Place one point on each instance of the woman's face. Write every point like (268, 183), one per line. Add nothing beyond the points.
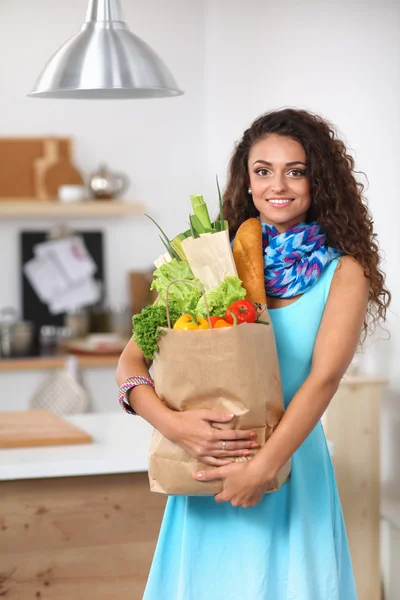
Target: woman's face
(278, 181)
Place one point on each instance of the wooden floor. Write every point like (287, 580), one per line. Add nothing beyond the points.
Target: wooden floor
(77, 538)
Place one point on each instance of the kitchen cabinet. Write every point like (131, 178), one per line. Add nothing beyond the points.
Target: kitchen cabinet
(78, 537)
(79, 521)
(352, 425)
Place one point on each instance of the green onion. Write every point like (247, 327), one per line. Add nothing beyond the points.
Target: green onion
(165, 241)
(221, 211)
(176, 244)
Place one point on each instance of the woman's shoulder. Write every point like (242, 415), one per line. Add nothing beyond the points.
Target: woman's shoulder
(342, 273)
(349, 279)
(348, 268)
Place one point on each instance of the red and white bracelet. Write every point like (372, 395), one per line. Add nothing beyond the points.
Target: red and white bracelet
(127, 386)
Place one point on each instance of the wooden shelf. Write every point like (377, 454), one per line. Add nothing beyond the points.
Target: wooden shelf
(55, 362)
(90, 208)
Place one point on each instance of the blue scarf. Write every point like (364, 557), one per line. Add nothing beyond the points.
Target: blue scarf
(295, 259)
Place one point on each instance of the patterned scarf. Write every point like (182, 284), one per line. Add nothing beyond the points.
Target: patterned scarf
(295, 259)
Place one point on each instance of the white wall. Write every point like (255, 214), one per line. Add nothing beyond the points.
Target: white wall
(158, 143)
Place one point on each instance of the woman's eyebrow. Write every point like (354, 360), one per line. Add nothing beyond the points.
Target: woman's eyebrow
(289, 164)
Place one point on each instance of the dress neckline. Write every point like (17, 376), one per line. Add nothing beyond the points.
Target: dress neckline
(291, 304)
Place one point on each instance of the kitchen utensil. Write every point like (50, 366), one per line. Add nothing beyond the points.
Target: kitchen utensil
(62, 172)
(98, 343)
(72, 193)
(22, 337)
(16, 337)
(104, 184)
(26, 428)
(42, 164)
(17, 159)
(78, 322)
(61, 392)
(8, 317)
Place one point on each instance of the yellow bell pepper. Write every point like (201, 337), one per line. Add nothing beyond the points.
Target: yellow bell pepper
(191, 322)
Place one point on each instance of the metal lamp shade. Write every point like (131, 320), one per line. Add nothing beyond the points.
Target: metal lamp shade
(104, 61)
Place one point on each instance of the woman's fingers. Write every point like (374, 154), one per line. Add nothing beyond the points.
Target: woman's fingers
(215, 462)
(232, 453)
(226, 446)
(233, 434)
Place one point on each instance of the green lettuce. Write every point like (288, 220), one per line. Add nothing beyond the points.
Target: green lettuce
(146, 325)
(185, 295)
(221, 297)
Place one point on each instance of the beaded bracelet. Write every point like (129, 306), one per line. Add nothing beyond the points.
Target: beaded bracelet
(127, 386)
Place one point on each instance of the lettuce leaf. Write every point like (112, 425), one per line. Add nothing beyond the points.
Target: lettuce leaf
(221, 297)
(185, 295)
(146, 325)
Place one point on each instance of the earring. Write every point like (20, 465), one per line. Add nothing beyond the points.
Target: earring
(249, 191)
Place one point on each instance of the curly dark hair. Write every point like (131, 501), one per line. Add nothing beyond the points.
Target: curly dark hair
(337, 202)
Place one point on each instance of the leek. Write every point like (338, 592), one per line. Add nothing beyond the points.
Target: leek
(201, 213)
(197, 224)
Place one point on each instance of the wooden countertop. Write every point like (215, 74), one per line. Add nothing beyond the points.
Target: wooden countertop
(37, 363)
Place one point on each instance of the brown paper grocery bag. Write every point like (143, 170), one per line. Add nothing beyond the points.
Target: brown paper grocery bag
(233, 369)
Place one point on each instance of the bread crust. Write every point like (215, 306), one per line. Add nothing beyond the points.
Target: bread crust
(249, 260)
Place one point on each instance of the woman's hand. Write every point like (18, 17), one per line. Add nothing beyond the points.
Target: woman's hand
(244, 483)
(193, 431)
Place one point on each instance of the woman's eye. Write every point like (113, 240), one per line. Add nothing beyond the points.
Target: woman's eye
(297, 172)
(262, 172)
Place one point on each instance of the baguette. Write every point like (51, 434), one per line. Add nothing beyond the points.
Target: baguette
(248, 255)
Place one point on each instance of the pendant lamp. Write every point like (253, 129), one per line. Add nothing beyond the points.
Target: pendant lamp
(105, 61)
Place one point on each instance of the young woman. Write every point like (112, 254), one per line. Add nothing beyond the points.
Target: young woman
(324, 289)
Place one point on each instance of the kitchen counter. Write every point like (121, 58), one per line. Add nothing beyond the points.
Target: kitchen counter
(120, 445)
(79, 521)
(39, 363)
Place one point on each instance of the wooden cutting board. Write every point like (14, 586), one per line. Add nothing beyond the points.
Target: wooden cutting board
(17, 158)
(53, 170)
(62, 172)
(25, 428)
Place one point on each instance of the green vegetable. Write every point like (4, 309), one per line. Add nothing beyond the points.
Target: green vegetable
(201, 213)
(146, 325)
(221, 297)
(176, 244)
(165, 240)
(220, 225)
(184, 294)
(196, 224)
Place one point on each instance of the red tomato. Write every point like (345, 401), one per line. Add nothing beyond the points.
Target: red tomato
(244, 311)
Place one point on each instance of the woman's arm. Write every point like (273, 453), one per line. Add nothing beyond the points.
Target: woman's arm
(334, 349)
(142, 398)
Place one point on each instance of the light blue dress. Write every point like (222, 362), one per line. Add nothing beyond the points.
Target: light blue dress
(293, 544)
